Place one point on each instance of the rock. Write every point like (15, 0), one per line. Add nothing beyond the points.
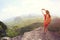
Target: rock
(38, 34)
(5, 38)
(32, 35)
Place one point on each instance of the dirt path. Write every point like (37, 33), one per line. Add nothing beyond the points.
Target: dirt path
(38, 34)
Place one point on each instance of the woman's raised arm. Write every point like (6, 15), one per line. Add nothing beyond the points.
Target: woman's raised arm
(43, 11)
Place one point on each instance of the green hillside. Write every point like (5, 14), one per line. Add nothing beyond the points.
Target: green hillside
(23, 24)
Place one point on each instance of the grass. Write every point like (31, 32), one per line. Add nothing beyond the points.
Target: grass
(25, 25)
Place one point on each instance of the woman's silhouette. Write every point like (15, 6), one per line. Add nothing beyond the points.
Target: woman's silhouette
(47, 19)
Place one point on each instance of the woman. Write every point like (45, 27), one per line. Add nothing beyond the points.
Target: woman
(47, 19)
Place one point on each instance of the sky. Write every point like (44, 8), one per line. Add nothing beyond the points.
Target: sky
(13, 8)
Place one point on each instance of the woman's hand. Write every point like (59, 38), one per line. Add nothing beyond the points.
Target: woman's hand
(43, 11)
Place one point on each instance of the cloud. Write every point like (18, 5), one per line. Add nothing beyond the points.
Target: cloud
(24, 7)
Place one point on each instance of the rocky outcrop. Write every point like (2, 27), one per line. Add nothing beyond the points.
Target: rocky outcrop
(32, 35)
(38, 34)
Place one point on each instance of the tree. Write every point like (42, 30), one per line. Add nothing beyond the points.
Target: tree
(3, 28)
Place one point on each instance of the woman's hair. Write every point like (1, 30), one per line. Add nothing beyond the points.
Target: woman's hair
(47, 12)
